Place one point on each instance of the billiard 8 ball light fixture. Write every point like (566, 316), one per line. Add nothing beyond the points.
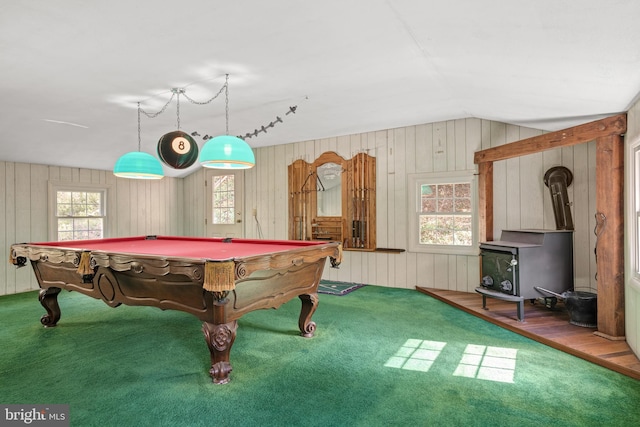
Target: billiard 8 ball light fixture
(179, 150)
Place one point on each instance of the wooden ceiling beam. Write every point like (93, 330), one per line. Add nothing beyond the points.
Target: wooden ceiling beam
(614, 125)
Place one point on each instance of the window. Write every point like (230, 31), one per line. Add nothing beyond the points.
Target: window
(443, 213)
(636, 206)
(223, 200)
(77, 212)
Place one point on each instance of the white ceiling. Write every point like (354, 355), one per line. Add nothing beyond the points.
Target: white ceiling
(349, 66)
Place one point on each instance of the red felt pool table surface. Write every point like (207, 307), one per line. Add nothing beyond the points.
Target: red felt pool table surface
(185, 247)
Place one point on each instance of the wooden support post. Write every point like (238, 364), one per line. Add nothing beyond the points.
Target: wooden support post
(485, 200)
(610, 239)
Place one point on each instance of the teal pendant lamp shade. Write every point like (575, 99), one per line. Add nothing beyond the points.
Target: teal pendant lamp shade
(138, 165)
(227, 152)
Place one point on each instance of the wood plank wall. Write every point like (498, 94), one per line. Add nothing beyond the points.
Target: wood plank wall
(176, 206)
(194, 197)
(134, 207)
(521, 198)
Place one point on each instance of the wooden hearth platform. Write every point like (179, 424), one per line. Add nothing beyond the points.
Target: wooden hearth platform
(547, 326)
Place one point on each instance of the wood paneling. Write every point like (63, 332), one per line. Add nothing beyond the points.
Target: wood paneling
(176, 206)
(134, 207)
(430, 147)
(193, 203)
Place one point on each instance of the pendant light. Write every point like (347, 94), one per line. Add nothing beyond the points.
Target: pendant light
(137, 164)
(226, 151)
(177, 149)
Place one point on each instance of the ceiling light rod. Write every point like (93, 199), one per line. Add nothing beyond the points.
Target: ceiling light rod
(139, 138)
(226, 103)
(178, 91)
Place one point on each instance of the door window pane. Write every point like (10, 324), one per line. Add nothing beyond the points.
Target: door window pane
(223, 210)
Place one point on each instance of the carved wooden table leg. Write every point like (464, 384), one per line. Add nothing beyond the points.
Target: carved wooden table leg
(220, 336)
(219, 340)
(49, 299)
(309, 305)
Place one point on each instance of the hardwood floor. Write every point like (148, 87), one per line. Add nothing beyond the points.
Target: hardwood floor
(548, 326)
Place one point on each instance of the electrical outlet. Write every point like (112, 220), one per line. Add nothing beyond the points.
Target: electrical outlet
(254, 212)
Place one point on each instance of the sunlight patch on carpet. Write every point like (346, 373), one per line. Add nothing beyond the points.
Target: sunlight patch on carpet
(488, 363)
(478, 361)
(416, 355)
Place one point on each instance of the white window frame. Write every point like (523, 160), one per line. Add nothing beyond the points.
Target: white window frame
(415, 182)
(634, 212)
(55, 186)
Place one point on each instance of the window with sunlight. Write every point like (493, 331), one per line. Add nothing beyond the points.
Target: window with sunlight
(443, 213)
(79, 214)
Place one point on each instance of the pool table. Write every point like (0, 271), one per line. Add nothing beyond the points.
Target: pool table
(217, 280)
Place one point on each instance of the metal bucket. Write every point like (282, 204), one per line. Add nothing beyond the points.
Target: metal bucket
(582, 308)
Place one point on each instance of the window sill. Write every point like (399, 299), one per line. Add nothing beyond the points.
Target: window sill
(448, 250)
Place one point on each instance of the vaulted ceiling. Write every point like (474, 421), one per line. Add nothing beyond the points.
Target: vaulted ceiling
(73, 71)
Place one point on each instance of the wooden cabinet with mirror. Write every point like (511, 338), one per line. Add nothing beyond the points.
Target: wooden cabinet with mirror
(334, 199)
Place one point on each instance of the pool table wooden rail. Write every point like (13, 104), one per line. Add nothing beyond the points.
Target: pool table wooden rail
(177, 283)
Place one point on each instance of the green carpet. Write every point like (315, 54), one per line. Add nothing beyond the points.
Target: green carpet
(380, 357)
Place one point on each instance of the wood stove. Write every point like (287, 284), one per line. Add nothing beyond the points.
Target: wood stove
(522, 260)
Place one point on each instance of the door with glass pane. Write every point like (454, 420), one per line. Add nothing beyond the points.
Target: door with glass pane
(224, 203)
